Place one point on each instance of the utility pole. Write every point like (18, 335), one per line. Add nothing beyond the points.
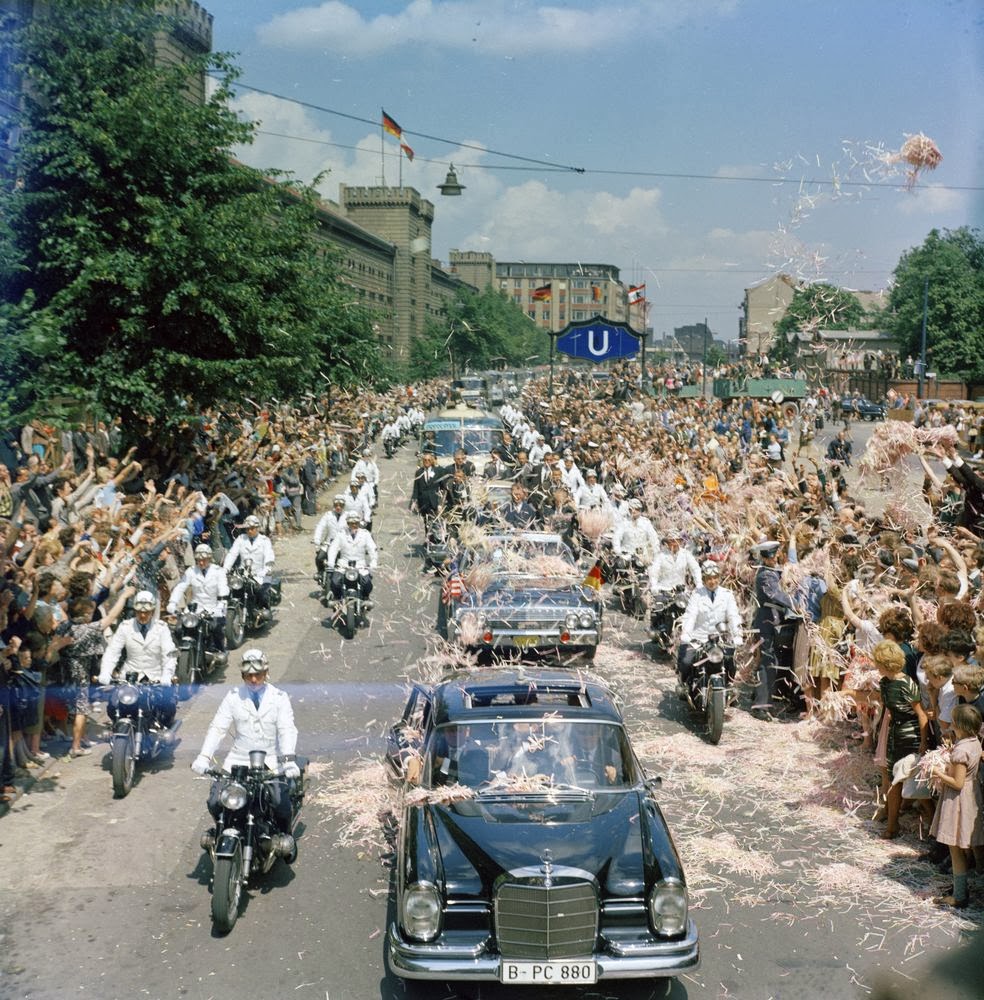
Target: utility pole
(703, 363)
(922, 345)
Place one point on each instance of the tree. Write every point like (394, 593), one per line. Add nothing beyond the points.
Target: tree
(814, 308)
(952, 262)
(142, 266)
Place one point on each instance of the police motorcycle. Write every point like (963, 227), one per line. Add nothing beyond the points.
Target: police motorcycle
(134, 708)
(350, 612)
(191, 631)
(389, 446)
(707, 689)
(245, 840)
(631, 584)
(665, 608)
(243, 611)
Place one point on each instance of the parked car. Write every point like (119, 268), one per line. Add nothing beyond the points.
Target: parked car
(523, 595)
(863, 408)
(531, 849)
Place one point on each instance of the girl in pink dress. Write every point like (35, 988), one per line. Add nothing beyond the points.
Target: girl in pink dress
(958, 821)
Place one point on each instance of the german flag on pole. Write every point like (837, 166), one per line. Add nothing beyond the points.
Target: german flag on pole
(595, 293)
(542, 294)
(595, 577)
(390, 125)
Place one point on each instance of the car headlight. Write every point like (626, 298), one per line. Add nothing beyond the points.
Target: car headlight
(668, 907)
(571, 620)
(129, 695)
(422, 911)
(233, 796)
(587, 619)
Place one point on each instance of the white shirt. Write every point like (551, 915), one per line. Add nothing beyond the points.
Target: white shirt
(670, 570)
(153, 657)
(360, 504)
(572, 478)
(269, 727)
(346, 547)
(329, 526)
(256, 555)
(591, 496)
(635, 537)
(209, 590)
(703, 616)
(390, 430)
(369, 467)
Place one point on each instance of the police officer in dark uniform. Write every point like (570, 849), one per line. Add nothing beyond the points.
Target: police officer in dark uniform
(774, 604)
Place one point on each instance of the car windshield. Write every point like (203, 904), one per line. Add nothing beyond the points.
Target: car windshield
(530, 755)
(549, 557)
(447, 437)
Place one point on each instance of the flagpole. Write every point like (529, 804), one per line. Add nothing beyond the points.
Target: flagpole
(401, 165)
(550, 388)
(382, 148)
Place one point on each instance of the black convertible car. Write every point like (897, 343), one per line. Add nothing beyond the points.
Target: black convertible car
(532, 849)
(863, 408)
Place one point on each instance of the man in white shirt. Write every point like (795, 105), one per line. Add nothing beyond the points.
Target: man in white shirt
(591, 495)
(260, 717)
(150, 653)
(635, 536)
(672, 566)
(366, 466)
(354, 544)
(255, 553)
(357, 501)
(573, 479)
(209, 588)
(710, 606)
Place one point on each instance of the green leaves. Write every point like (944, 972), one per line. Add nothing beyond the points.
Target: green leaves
(951, 266)
(144, 266)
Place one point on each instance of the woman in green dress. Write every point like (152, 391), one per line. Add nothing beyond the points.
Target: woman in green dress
(908, 724)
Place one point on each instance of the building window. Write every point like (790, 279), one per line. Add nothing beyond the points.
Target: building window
(531, 313)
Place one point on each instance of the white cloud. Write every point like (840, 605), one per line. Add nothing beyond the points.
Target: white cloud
(931, 200)
(487, 27)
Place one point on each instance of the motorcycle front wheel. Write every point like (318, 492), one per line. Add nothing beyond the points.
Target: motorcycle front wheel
(349, 625)
(227, 888)
(123, 765)
(186, 673)
(235, 627)
(715, 710)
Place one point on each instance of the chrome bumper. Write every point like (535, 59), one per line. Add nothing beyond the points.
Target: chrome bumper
(465, 955)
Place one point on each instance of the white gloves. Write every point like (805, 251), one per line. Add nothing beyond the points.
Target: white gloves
(200, 764)
(291, 770)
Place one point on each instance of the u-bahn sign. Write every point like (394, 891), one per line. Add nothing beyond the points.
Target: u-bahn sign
(598, 340)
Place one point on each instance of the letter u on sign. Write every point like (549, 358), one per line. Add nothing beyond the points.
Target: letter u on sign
(603, 350)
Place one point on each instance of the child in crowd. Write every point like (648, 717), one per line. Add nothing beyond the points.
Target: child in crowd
(938, 672)
(908, 725)
(968, 684)
(958, 821)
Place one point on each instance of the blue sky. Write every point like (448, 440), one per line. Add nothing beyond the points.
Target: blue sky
(634, 92)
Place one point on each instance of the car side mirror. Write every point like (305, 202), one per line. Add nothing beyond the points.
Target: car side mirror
(654, 783)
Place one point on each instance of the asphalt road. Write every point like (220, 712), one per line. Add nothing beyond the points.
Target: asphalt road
(110, 898)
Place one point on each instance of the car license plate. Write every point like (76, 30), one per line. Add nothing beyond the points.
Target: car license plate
(526, 640)
(548, 973)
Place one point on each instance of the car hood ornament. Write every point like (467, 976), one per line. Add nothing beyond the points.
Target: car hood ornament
(547, 868)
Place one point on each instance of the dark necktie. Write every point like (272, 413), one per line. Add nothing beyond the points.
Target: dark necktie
(143, 629)
(255, 698)
(712, 593)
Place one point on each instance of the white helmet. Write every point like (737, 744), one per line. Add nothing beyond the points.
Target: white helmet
(710, 568)
(339, 498)
(254, 662)
(353, 515)
(203, 550)
(144, 601)
(251, 522)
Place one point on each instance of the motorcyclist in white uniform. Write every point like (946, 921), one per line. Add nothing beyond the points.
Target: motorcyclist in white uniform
(209, 588)
(355, 544)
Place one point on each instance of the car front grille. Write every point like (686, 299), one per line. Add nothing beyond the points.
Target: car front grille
(543, 923)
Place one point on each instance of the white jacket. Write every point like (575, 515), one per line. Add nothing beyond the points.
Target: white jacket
(269, 727)
(345, 547)
(209, 590)
(635, 537)
(703, 616)
(256, 555)
(592, 496)
(154, 657)
(369, 467)
(359, 503)
(669, 571)
(329, 526)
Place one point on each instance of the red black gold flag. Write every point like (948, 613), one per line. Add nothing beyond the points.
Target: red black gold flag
(542, 294)
(390, 125)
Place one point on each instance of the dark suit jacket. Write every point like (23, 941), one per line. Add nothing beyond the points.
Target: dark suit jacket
(972, 516)
(524, 517)
(427, 493)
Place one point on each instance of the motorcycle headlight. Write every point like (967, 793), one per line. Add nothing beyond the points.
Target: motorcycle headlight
(189, 620)
(351, 574)
(586, 619)
(715, 655)
(668, 907)
(422, 911)
(236, 583)
(571, 621)
(129, 695)
(233, 796)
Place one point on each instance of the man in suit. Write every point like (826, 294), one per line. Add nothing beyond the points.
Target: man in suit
(462, 462)
(497, 467)
(519, 512)
(427, 488)
(774, 604)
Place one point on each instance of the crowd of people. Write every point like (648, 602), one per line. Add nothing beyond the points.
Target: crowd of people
(92, 536)
(882, 566)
